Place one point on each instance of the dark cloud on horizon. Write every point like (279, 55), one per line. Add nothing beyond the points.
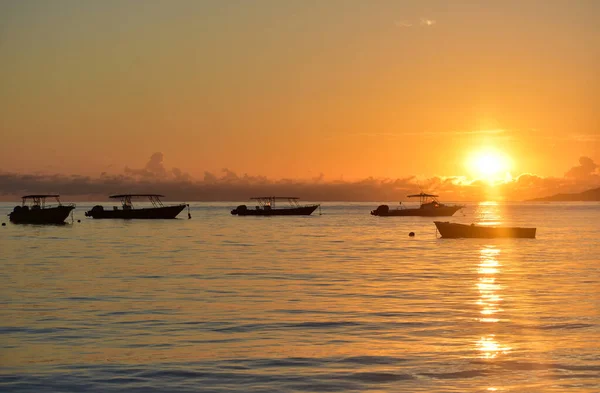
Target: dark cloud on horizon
(155, 169)
(586, 170)
(229, 186)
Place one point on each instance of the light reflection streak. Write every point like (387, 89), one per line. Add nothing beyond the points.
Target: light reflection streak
(490, 348)
(488, 213)
(489, 301)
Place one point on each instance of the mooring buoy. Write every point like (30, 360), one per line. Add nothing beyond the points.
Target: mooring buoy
(412, 234)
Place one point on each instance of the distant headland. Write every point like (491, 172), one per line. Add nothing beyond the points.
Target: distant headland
(592, 195)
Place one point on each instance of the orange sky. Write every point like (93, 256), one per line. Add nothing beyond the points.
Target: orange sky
(293, 89)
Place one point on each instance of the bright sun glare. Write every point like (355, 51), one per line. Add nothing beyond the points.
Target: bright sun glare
(488, 165)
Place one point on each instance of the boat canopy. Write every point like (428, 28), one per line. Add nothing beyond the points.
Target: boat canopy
(423, 195)
(39, 199)
(40, 196)
(136, 195)
(425, 198)
(269, 201)
(274, 198)
(126, 199)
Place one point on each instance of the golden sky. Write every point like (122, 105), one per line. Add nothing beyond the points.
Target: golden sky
(293, 89)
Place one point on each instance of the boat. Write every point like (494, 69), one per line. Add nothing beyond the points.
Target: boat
(454, 230)
(429, 207)
(34, 210)
(266, 207)
(127, 211)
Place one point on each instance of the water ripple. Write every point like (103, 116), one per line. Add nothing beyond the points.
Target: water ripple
(340, 302)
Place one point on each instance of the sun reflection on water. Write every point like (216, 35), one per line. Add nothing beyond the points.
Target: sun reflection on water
(489, 301)
(490, 348)
(489, 213)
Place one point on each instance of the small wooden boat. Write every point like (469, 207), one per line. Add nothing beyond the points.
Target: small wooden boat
(454, 230)
(127, 211)
(266, 207)
(34, 210)
(430, 207)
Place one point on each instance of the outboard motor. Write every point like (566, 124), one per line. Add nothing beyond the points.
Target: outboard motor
(15, 213)
(239, 209)
(95, 209)
(381, 210)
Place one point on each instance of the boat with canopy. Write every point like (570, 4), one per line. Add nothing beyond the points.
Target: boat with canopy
(35, 210)
(267, 207)
(429, 207)
(157, 210)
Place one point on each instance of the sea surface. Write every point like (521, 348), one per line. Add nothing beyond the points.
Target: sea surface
(338, 302)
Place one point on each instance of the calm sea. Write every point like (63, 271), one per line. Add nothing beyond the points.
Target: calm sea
(342, 301)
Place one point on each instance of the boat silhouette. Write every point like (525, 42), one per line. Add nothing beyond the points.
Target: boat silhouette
(454, 230)
(127, 211)
(429, 207)
(266, 207)
(34, 210)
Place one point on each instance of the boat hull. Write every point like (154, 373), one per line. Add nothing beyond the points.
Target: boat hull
(292, 211)
(151, 213)
(442, 211)
(50, 215)
(454, 231)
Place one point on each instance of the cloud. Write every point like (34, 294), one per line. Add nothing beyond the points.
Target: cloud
(180, 175)
(585, 138)
(402, 23)
(430, 133)
(425, 22)
(230, 186)
(155, 169)
(209, 178)
(459, 132)
(586, 170)
(320, 178)
(229, 176)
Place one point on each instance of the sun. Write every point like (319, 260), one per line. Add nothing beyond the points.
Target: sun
(489, 165)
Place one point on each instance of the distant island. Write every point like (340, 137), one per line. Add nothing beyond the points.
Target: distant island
(592, 195)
